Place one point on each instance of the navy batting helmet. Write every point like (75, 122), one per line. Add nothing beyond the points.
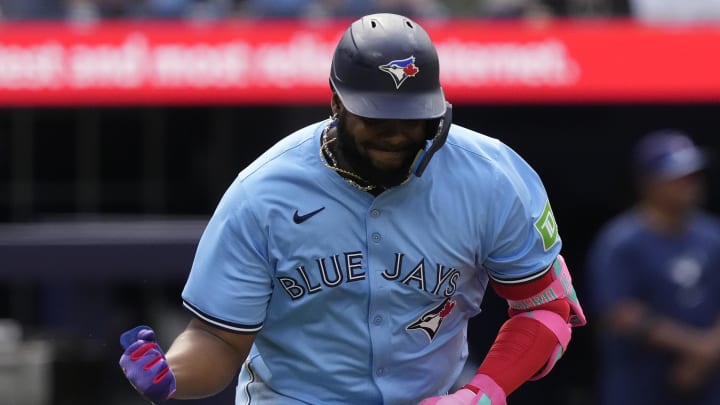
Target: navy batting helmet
(385, 66)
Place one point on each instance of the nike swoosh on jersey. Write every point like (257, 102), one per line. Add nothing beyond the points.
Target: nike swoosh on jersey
(299, 219)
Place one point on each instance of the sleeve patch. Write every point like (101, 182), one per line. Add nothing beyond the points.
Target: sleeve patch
(547, 227)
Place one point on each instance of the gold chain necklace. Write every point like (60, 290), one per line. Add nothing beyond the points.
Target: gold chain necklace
(350, 177)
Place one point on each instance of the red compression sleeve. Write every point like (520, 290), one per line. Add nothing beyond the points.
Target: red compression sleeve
(523, 345)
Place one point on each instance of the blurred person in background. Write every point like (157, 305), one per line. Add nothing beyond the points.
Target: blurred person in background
(674, 11)
(654, 275)
(545, 9)
(183, 9)
(89, 11)
(30, 10)
(415, 8)
(342, 8)
(510, 9)
(82, 10)
(167, 9)
(303, 8)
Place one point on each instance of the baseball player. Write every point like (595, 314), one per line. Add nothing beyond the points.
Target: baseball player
(653, 281)
(343, 265)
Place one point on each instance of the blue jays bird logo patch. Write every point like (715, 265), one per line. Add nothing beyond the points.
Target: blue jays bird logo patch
(431, 320)
(400, 70)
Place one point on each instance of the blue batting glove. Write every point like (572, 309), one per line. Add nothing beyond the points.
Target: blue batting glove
(145, 366)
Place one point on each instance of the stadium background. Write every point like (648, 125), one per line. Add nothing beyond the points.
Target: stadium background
(101, 205)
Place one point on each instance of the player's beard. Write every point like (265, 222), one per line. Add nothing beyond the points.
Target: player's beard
(363, 167)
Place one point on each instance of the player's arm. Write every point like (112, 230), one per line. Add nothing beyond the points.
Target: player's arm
(632, 318)
(527, 270)
(542, 311)
(201, 361)
(696, 351)
(205, 359)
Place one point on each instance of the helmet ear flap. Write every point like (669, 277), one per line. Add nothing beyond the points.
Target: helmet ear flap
(435, 143)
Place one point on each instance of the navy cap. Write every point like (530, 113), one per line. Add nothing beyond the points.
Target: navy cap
(667, 154)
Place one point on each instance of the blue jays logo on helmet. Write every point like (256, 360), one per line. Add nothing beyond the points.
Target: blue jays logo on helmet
(431, 320)
(400, 70)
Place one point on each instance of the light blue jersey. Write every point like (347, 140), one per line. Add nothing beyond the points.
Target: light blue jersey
(358, 299)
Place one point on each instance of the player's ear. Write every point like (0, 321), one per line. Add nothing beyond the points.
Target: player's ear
(335, 104)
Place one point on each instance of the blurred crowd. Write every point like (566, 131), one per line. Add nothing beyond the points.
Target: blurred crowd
(103, 9)
(84, 10)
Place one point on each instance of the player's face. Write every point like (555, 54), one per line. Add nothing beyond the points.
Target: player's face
(681, 194)
(380, 150)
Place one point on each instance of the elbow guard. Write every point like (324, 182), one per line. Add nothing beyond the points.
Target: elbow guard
(555, 285)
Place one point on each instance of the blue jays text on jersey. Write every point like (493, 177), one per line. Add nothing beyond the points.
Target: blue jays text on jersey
(358, 299)
(348, 267)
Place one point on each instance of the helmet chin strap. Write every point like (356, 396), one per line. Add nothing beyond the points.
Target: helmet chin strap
(433, 145)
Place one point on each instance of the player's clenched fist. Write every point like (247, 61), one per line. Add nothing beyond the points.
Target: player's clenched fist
(144, 364)
(481, 390)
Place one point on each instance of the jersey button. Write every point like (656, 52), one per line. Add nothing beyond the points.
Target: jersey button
(375, 213)
(376, 237)
(378, 319)
(380, 371)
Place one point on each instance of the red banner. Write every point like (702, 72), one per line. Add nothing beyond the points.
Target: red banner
(262, 62)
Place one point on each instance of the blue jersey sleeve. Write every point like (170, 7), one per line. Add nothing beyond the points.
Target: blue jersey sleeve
(230, 281)
(525, 238)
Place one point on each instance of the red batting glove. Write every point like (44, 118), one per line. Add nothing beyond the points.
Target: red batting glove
(481, 390)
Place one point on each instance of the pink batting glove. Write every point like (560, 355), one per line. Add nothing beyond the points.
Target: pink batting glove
(461, 397)
(488, 393)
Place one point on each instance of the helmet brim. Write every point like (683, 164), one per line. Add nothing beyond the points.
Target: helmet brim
(405, 106)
